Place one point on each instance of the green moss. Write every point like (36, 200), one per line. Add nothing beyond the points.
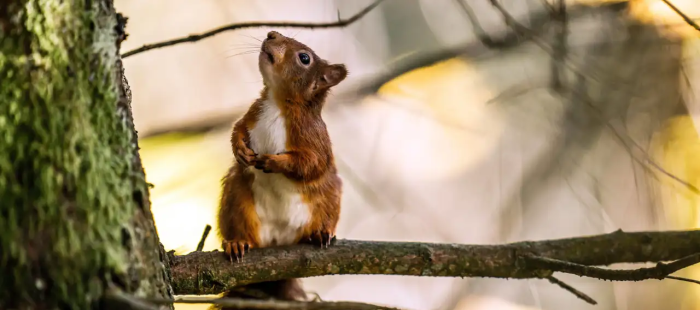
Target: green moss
(65, 155)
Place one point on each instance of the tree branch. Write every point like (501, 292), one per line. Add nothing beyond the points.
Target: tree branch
(481, 34)
(686, 18)
(659, 272)
(560, 47)
(212, 273)
(558, 56)
(572, 290)
(200, 245)
(213, 32)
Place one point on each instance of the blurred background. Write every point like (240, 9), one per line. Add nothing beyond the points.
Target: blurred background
(569, 128)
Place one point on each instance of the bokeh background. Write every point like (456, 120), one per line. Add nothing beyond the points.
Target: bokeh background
(479, 148)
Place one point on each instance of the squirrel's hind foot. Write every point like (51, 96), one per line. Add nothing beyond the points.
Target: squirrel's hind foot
(236, 248)
(322, 238)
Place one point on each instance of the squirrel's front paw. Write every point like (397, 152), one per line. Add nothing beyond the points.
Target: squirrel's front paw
(322, 237)
(244, 155)
(267, 163)
(236, 248)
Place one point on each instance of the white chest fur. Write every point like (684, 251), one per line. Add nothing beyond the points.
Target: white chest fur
(278, 202)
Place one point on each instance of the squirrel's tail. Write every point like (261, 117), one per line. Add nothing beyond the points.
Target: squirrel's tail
(289, 290)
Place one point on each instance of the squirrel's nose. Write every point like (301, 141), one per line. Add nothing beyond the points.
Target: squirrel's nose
(273, 35)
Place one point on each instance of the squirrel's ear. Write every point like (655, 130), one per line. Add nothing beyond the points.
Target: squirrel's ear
(332, 75)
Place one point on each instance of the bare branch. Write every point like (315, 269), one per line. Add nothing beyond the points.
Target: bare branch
(548, 6)
(480, 32)
(558, 56)
(213, 32)
(572, 290)
(683, 279)
(211, 273)
(205, 234)
(686, 18)
(660, 271)
(560, 48)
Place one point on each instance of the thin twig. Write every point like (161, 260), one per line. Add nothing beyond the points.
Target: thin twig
(541, 43)
(686, 18)
(480, 32)
(646, 162)
(560, 47)
(683, 279)
(572, 290)
(210, 33)
(549, 7)
(660, 271)
(516, 91)
(200, 246)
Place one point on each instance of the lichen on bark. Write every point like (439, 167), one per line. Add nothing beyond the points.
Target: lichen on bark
(71, 197)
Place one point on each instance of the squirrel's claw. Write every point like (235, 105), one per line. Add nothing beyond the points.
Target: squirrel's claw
(245, 156)
(264, 163)
(323, 238)
(236, 248)
(260, 165)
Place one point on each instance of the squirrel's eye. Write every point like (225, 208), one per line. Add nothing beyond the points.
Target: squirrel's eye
(305, 59)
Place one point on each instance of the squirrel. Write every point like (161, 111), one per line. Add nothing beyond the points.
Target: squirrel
(283, 187)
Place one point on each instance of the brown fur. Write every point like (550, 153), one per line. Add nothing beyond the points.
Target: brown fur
(300, 91)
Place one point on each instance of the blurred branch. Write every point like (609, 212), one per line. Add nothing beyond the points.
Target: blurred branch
(630, 145)
(472, 49)
(557, 53)
(212, 273)
(560, 47)
(686, 18)
(510, 38)
(119, 300)
(424, 59)
(484, 38)
(213, 32)
(237, 303)
(548, 6)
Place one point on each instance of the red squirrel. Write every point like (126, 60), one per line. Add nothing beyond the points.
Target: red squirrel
(284, 187)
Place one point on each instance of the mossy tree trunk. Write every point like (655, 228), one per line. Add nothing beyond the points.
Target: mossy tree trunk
(75, 219)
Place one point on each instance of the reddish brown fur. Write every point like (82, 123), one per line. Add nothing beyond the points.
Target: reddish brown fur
(300, 92)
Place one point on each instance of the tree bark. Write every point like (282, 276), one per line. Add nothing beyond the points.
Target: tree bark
(212, 273)
(75, 210)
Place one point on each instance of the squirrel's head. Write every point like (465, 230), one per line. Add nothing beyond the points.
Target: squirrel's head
(292, 68)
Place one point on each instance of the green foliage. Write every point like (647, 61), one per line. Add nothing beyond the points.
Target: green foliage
(65, 155)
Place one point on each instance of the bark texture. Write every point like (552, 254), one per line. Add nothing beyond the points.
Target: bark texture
(74, 210)
(212, 273)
